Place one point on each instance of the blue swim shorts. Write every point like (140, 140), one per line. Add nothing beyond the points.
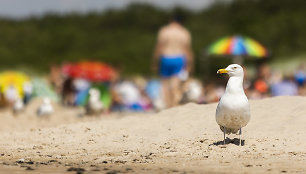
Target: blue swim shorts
(171, 65)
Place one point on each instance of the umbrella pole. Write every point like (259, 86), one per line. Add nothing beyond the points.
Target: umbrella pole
(205, 64)
(238, 60)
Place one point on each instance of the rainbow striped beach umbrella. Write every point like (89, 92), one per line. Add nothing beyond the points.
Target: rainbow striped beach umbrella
(238, 46)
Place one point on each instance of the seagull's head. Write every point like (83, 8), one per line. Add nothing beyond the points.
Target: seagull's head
(232, 70)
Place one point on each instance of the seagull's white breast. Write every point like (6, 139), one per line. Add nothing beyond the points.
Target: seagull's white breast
(45, 109)
(233, 111)
(95, 104)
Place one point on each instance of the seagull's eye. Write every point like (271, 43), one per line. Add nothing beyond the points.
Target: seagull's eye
(235, 67)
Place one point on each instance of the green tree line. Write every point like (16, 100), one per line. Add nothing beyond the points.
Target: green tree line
(126, 38)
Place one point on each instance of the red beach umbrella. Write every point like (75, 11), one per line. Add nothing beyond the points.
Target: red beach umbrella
(92, 71)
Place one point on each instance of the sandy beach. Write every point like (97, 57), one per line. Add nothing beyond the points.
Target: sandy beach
(184, 139)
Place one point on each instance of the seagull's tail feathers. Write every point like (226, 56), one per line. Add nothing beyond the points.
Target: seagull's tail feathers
(229, 130)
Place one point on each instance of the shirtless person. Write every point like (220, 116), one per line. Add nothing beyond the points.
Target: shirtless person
(174, 57)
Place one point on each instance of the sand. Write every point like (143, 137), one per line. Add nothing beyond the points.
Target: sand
(184, 139)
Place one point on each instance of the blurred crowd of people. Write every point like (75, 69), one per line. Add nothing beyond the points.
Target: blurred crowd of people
(130, 94)
(269, 83)
(141, 94)
(146, 95)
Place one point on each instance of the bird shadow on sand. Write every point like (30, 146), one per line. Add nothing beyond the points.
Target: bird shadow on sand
(228, 141)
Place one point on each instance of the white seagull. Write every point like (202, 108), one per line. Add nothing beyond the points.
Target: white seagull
(45, 108)
(233, 110)
(94, 105)
(18, 106)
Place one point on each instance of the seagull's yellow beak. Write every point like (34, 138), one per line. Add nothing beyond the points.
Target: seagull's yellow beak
(222, 71)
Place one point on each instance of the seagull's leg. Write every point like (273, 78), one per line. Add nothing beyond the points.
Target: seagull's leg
(240, 137)
(224, 132)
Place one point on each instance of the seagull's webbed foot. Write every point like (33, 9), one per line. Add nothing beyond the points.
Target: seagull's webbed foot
(224, 133)
(240, 142)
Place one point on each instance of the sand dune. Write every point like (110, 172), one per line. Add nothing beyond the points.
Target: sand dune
(184, 139)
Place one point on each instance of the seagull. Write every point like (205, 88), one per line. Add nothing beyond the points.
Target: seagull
(45, 108)
(233, 110)
(18, 106)
(194, 91)
(94, 106)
